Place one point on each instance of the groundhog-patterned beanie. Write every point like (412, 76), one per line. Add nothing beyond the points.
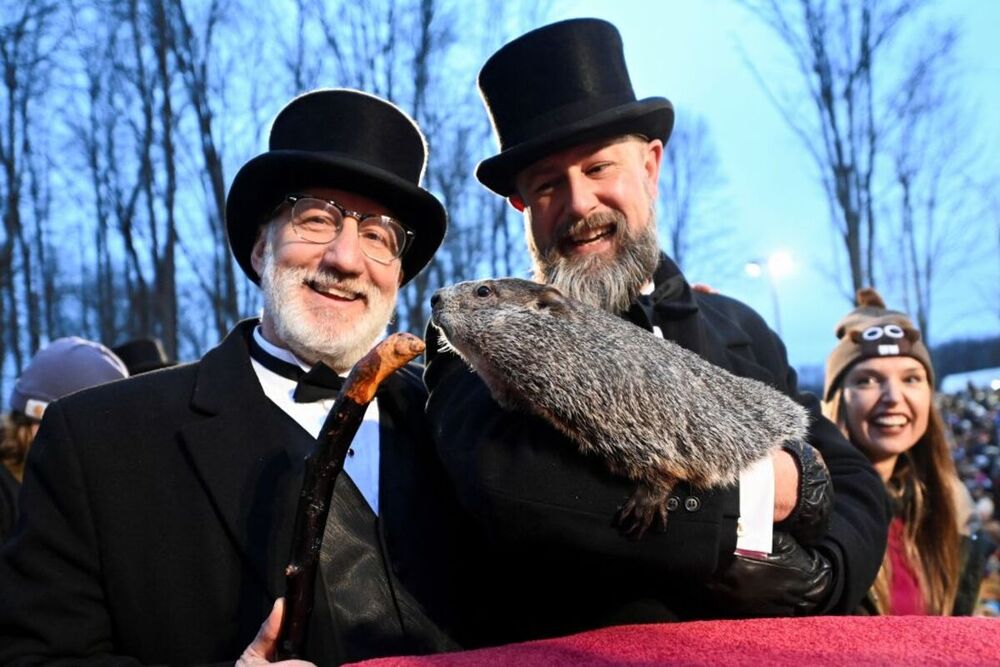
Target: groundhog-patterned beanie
(872, 330)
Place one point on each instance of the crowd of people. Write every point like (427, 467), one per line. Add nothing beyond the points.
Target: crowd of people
(156, 511)
(973, 419)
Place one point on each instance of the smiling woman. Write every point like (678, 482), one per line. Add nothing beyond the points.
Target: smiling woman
(886, 401)
(879, 391)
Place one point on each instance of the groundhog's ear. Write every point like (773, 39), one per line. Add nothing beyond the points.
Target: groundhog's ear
(549, 298)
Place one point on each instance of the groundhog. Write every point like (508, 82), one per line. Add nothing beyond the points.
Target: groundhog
(654, 411)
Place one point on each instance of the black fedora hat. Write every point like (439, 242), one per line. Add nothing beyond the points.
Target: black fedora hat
(558, 86)
(344, 139)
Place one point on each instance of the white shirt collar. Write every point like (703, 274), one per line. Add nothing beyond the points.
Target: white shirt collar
(278, 352)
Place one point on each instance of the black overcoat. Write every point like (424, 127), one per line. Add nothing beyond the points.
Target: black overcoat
(156, 517)
(9, 487)
(556, 563)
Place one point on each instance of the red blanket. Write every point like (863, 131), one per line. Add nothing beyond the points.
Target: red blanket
(797, 642)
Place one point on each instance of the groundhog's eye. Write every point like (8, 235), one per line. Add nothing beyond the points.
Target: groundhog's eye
(483, 290)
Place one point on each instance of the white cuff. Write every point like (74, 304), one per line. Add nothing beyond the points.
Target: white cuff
(756, 523)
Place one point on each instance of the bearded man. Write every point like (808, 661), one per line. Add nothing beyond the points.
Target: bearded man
(580, 157)
(157, 513)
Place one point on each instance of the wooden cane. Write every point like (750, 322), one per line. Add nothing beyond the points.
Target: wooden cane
(322, 467)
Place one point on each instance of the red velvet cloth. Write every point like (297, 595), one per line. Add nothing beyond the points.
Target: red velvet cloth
(825, 641)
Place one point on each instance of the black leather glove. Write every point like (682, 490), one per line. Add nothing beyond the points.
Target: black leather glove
(792, 580)
(810, 517)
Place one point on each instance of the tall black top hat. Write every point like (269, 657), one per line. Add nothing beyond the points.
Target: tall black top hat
(343, 139)
(558, 86)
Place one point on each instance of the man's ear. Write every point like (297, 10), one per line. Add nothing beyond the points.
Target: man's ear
(516, 202)
(652, 155)
(257, 254)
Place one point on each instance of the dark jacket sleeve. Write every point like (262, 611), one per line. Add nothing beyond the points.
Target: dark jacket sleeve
(9, 488)
(859, 524)
(52, 607)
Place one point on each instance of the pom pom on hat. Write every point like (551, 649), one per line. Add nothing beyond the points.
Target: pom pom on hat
(868, 297)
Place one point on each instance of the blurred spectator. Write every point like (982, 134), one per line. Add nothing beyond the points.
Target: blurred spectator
(64, 366)
(973, 419)
(142, 355)
(989, 594)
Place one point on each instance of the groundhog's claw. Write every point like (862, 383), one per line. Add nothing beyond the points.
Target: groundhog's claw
(643, 508)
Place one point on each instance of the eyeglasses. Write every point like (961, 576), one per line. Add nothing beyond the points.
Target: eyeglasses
(382, 238)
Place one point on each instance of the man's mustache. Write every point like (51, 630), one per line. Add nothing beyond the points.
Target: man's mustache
(331, 280)
(567, 230)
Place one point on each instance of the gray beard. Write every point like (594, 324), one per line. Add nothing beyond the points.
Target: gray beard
(609, 284)
(319, 335)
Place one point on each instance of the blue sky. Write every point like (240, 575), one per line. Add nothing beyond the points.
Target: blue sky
(692, 53)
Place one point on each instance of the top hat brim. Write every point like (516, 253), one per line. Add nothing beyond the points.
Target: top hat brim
(263, 182)
(651, 117)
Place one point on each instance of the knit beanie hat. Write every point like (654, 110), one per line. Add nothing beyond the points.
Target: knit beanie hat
(871, 330)
(64, 366)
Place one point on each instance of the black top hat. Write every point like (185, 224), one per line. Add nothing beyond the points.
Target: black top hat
(344, 139)
(559, 86)
(142, 354)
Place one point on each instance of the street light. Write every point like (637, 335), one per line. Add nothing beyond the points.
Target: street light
(778, 265)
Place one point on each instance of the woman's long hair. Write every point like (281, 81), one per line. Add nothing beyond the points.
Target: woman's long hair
(922, 490)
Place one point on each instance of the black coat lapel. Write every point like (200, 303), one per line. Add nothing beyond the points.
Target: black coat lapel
(242, 456)
(691, 320)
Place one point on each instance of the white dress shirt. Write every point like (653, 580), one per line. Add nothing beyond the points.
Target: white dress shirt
(362, 461)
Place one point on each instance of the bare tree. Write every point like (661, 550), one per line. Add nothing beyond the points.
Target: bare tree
(940, 191)
(194, 54)
(691, 200)
(842, 50)
(159, 99)
(25, 28)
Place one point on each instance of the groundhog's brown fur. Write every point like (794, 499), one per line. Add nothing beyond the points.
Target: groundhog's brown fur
(652, 410)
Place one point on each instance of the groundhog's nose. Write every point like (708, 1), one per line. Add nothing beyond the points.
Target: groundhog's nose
(435, 299)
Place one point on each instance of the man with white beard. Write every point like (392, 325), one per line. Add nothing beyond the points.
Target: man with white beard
(580, 157)
(157, 514)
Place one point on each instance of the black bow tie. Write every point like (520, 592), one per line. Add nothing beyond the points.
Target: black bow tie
(318, 383)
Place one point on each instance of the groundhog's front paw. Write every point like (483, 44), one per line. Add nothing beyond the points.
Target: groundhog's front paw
(645, 507)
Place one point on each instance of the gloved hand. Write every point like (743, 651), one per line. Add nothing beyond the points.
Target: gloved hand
(810, 518)
(792, 580)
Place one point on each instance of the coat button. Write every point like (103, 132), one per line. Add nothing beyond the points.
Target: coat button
(692, 503)
(673, 503)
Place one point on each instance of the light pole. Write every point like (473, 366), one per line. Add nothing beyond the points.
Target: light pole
(777, 265)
